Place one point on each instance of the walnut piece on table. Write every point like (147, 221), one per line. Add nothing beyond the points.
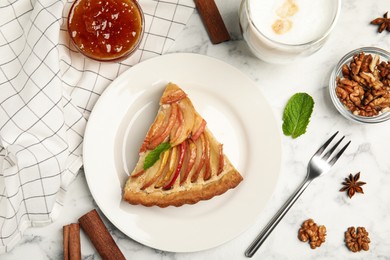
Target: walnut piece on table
(364, 87)
(357, 239)
(313, 233)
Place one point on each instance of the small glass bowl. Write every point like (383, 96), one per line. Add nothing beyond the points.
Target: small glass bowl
(80, 24)
(337, 72)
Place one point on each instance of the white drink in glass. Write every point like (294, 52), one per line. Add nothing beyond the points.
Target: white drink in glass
(280, 31)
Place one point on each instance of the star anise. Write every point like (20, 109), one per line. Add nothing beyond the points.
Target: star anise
(382, 22)
(353, 185)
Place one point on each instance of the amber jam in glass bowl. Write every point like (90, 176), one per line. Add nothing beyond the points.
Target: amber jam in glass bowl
(106, 30)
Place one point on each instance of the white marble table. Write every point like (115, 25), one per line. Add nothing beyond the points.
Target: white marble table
(368, 153)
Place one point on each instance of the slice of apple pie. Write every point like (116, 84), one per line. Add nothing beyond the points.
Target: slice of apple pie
(180, 161)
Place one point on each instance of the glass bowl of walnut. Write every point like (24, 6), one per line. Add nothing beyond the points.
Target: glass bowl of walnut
(360, 85)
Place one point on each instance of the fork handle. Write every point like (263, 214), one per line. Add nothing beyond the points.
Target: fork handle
(276, 219)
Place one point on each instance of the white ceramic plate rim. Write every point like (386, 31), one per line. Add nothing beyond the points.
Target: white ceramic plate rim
(237, 114)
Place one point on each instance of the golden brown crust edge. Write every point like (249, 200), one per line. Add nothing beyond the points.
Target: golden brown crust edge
(191, 196)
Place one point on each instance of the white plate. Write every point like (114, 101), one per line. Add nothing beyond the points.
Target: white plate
(237, 114)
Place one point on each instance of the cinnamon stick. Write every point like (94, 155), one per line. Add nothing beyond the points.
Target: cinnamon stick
(72, 248)
(213, 21)
(97, 232)
(65, 231)
(74, 242)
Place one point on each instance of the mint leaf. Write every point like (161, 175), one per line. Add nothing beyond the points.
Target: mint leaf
(297, 114)
(154, 155)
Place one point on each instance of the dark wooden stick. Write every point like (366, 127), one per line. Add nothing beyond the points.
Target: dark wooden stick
(213, 21)
(97, 232)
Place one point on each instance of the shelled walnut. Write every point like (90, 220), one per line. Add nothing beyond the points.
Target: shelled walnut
(364, 87)
(313, 233)
(357, 239)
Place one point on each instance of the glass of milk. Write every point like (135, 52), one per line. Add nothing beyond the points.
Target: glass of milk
(281, 31)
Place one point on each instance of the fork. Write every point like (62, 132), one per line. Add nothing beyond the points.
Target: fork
(318, 165)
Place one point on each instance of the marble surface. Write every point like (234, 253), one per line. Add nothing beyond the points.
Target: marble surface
(368, 153)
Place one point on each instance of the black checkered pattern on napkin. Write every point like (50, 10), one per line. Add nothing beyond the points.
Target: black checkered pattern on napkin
(47, 91)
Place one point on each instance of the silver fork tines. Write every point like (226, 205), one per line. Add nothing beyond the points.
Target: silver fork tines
(331, 150)
(318, 165)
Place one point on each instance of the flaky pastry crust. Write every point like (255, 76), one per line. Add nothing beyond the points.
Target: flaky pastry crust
(194, 194)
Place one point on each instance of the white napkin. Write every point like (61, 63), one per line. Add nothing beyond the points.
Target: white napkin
(47, 91)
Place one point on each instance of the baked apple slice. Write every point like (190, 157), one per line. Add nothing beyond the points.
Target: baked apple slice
(180, 161)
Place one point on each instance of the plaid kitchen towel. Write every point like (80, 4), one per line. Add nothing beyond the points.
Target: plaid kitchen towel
(47, 90)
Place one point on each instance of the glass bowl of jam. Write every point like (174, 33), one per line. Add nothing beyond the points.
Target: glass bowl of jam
(106, 30)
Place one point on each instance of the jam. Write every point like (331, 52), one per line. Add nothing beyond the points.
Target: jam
(106, 29)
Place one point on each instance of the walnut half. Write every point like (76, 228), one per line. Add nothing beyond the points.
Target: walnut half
(313, 233)
(357, 239)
